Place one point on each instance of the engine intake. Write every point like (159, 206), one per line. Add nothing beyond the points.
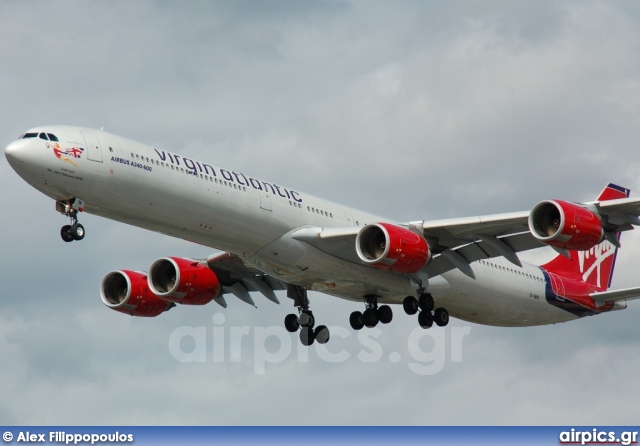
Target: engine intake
(128, 292)
(392, 248)
(565, 225)
(183, 281)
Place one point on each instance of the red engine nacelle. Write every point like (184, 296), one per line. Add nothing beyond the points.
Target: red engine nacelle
(128, 292)
(565, 225)
(392, 248)
(183, 281)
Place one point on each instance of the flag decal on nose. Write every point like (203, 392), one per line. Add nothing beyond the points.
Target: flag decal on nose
(66, 155)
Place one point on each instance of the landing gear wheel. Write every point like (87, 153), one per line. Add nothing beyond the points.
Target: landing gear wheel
(306, 336)
(426, 302)
(356, 320)
(385, 314)
(291, 323)
(307, 319)
(425, 319)
(65, 233)
(441, 317)
(321, 334)
(370, 317)
(410, 305)
(77, 231)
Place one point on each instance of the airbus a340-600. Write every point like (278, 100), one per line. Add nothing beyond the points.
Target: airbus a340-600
(277, 238)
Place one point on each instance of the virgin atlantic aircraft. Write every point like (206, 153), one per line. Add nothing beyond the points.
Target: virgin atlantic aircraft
(277, 238)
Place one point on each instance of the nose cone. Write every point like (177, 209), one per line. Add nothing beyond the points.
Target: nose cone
(17, 152)
(22, 156)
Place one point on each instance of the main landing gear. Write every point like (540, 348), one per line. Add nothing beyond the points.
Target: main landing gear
(427, 315)
(70, 208)
(373, 314)
(304, 320)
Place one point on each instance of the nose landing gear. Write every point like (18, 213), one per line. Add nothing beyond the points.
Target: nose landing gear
(72, 232)
(70, 208)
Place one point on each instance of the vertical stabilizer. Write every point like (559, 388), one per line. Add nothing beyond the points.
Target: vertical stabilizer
(594, 266)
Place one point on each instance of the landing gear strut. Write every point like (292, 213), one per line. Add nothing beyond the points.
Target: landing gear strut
(70, 208)
(372, 314)
(304, 320)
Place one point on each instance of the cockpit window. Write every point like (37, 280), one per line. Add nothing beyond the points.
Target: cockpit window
(44, 136)
(52, 137)
(29, 135)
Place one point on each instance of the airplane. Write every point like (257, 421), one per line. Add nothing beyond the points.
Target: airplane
(277, 238)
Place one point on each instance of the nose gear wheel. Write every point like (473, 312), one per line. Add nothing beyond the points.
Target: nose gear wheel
(74, 231)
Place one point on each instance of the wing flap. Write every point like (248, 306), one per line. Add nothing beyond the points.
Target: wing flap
(480, 250)
(239, 279)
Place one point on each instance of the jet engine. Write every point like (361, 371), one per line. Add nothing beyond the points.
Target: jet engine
(128, 292)
(392, 248)
(183, 281)
(565, 225)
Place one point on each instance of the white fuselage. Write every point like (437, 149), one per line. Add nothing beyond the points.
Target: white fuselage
(231, 211)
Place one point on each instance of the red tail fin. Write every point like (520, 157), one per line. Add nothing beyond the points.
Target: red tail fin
(596, 265)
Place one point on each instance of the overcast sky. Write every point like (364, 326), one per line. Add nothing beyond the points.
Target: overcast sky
(407, 109)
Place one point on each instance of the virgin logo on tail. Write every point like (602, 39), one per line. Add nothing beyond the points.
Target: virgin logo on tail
(593, 259)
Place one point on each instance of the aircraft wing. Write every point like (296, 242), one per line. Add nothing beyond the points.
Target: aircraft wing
(622, 212)
(455, 243)
(239, 279)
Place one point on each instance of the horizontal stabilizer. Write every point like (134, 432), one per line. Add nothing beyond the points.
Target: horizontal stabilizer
(614, 295)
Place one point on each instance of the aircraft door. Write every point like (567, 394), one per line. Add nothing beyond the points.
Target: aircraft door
(265, 200)
(94, 152)
(350, 220)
